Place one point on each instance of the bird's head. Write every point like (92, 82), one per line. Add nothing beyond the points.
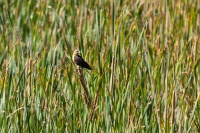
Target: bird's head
(76, 52)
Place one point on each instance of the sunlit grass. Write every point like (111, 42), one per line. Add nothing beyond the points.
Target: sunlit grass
(145, 54)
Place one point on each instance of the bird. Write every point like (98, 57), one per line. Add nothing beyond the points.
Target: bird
(77, 58)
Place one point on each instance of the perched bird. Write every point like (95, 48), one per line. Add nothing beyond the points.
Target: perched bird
(79, 60)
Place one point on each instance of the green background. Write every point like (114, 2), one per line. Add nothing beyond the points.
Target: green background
(146, 56)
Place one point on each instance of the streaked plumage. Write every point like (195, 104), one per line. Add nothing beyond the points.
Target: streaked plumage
(80, 61)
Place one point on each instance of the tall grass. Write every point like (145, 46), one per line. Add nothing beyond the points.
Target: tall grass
(146, 56)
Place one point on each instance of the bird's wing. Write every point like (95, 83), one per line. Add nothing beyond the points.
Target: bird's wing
(80, 61)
